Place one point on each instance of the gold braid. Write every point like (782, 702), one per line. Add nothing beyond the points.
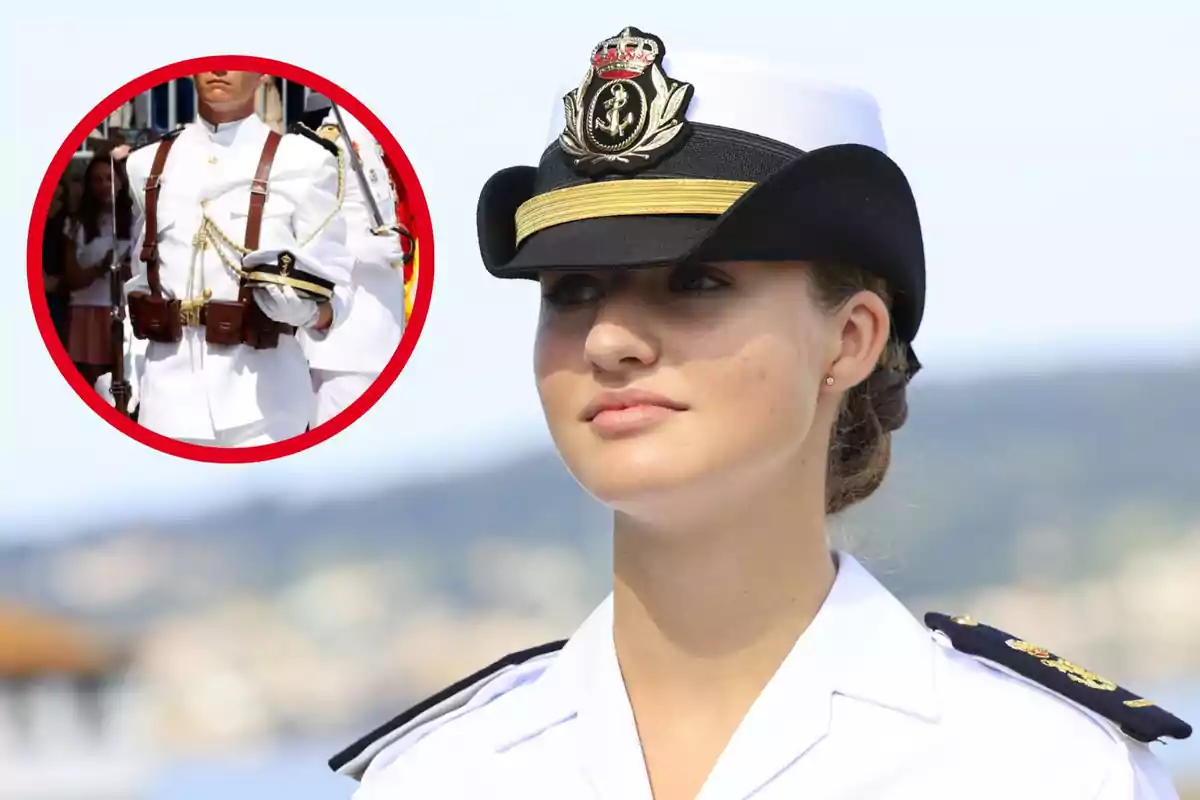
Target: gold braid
(341, 196)
(209, 228)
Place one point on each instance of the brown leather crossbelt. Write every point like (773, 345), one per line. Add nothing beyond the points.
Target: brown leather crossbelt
(226, 322)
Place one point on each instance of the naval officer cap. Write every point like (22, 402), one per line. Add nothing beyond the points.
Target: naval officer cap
(659, 158)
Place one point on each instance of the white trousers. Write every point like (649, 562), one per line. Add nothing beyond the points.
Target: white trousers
(266, 431)
(335, 391)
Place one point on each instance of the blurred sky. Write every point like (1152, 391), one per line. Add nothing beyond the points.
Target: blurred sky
(1053, 149)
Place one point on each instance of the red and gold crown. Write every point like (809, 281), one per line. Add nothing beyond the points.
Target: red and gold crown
(625, 55)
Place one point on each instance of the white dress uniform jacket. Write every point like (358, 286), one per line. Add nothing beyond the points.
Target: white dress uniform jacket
(367, 339)
(195, 391)
(868, 704)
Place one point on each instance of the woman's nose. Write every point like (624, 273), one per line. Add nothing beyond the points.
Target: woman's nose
(620, 337)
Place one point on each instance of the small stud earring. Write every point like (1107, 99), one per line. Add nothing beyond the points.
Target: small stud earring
(829, 380)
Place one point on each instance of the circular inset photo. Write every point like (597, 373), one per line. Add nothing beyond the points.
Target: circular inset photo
(230, 259)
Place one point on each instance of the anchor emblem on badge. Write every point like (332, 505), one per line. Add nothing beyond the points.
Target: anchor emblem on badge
(612, 125)
(626, 115)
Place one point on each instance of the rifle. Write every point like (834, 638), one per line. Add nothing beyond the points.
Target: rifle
(120, 389)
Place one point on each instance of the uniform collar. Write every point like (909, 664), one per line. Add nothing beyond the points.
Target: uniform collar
(862, 644)
(226, 133)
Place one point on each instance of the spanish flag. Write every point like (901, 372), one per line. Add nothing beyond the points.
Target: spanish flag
(404, 216)
(410, 282)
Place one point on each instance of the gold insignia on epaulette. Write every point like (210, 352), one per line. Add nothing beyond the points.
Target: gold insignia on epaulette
(1072, 671)
(1080, 675)
(1139, 703)
(965, 620)
(329, 133)
(1026, 647)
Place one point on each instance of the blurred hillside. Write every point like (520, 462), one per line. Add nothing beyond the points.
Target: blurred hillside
(1064, 507)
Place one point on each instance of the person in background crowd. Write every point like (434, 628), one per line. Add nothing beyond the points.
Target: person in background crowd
(347, 361)
(54, 247)
(268, 103)
(99, 236)
(74, 195)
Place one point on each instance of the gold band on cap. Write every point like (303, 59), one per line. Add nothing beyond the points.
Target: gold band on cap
(627, 197)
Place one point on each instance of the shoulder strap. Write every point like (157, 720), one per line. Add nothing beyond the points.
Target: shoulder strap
(150, 237)
(258, 190)
(258, 200)
(325, 137)
(1135, 716)
(354, 759)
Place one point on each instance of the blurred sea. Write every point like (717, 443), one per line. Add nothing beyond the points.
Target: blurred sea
(299, 772)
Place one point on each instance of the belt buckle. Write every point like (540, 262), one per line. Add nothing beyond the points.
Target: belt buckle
(189, 310)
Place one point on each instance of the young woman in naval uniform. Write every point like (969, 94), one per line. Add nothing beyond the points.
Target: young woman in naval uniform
(733, 275)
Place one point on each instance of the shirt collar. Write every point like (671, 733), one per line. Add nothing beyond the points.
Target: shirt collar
(863, 644)
(869, 645)
(225, 133)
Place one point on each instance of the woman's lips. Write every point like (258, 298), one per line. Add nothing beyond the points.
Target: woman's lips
(629, 411)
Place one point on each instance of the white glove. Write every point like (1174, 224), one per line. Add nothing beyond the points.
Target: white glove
(384, 249)
(282, 304)
(104, 389)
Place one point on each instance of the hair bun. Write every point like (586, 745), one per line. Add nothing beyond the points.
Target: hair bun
(887, 392)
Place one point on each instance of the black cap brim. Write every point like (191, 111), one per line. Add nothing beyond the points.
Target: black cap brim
(845, 203)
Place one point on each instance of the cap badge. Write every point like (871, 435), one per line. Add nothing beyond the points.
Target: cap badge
(626, 115)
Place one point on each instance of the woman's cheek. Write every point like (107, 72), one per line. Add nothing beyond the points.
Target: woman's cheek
(765, 390)
(554, 365)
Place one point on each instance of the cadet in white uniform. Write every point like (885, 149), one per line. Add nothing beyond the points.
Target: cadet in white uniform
(230, 263)
(347, 361)
(733, 275)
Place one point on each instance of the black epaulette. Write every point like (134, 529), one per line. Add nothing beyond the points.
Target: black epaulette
(1137, 717)
(308, 133)
(448, 699)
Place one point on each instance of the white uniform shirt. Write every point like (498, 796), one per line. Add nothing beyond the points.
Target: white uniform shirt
(89, 254)
(367, 339)
(868, 704)
(191, 389)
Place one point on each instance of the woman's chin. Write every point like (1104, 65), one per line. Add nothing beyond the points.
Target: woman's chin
(630, 472)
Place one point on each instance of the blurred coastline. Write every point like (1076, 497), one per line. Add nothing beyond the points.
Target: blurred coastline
(265, 637)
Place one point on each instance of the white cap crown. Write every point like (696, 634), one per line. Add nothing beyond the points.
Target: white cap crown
(756, 98)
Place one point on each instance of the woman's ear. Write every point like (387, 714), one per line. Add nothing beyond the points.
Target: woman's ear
(861, 329)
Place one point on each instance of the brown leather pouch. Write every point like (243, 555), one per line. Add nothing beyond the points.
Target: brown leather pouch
(155, 318)
(260, 331)
(223, 323)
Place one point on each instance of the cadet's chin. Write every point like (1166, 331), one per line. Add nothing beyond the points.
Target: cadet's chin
(219, 101)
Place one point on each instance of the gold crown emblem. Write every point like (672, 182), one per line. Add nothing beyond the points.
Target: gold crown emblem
(625, 55)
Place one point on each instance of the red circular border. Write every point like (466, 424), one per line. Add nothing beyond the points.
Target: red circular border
(421, 222)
